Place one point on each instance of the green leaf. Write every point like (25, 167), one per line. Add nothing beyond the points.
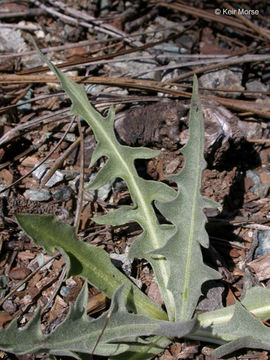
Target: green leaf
(239, 325)
(79, 333)
(120, 164)
(155, 345)
(256, 301)
(183, 250)
(85, 260)
(243, 330)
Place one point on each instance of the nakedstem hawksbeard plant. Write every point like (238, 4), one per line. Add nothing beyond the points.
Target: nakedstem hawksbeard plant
(134, 327)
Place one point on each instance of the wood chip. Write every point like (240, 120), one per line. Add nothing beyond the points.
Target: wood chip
(261, 267)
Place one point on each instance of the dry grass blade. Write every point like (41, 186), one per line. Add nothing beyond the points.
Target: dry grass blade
(32, 124)
(101, 57)
(225, 63)
(27, 279)
(248, 23)
(42, 162)
(148, 85)
(204, 14)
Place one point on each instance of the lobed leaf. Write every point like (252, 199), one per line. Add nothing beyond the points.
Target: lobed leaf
(86, 260)
(238, 326)
(78, 333)
(147, 351)
(244, 330)
(183, 250)
(120, 163)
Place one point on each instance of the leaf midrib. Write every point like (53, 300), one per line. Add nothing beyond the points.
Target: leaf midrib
(133, 180)
(187, 272)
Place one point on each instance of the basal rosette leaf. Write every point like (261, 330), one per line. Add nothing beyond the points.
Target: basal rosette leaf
(256, 301)
(244, 330)
(120, 163)
(237, 326)
(144, 351)
(183, 250)
(78, 333)
(86, 260)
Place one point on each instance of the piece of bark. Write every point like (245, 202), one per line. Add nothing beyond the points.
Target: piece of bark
(261, 267)
(165, 125)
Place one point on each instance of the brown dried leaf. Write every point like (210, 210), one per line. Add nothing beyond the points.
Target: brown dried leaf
(5, 318)
(18, 273)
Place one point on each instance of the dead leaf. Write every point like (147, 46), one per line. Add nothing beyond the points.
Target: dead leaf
(19, 273)
(5, 318)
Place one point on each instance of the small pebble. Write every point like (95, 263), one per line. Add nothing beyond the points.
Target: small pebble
(121, 261)
(64, 291)
(41, 171)
(11, 40)
(258, 188)
(25, 107)
(9, 306)
(263, 247)
(223, 79)
(104, 191)
(37, 195)
(256, 85)
(63, 194)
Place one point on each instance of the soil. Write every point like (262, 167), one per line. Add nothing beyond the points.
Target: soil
(150, 88)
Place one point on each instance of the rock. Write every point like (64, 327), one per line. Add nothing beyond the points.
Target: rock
(154, 294)
(258, 188)
(63, 194)
(102, 192)
(25, 107)
(256, 85)
(105, 7)
(253, 129)
(119, 185)
(121, 261)
(64, 291)
(37, 195)
(11, 41)
(167, 47)
(187, 42)
(263, 247)
(222, 79)
(9, 306)
(214, 293)
(133, 67)
(223, 132)
(41, 259)
(171, 74)
(70, 174)
(41, 171)
(153, 33)
(266, 72)
(172, 166)
(102, 90)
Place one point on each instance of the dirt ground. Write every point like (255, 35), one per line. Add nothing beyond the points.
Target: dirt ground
(138, 56)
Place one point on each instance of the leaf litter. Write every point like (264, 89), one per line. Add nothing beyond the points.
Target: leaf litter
(245, 211)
